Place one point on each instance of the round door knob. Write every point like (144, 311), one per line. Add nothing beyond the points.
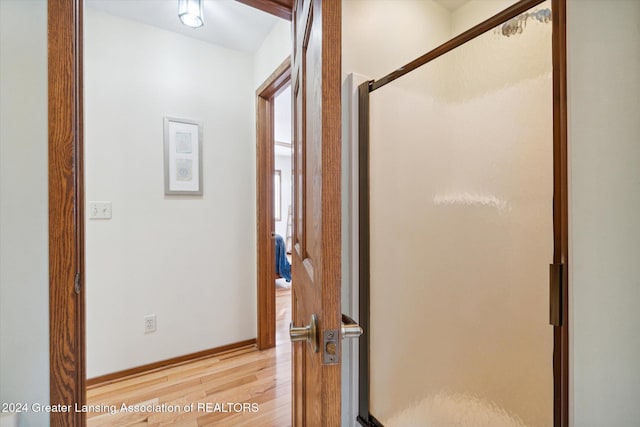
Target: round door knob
(307, 333)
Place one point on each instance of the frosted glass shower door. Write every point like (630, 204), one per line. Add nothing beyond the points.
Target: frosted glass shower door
(461, 188)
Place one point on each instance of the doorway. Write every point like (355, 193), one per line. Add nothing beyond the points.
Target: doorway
(274, 87)
(223, 142)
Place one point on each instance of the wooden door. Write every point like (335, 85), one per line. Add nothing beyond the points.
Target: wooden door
(316, 253)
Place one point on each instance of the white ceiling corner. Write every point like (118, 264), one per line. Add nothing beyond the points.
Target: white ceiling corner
(451, 5)
(228, 23)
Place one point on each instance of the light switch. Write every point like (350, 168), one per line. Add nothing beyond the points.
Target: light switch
(99, 210)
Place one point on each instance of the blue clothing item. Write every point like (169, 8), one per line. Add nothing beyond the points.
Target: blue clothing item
(283, 268)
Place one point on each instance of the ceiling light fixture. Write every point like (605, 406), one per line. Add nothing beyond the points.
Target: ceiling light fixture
(191, 12)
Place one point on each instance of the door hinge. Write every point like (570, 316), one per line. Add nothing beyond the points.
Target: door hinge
(76, 283)
(555, 294)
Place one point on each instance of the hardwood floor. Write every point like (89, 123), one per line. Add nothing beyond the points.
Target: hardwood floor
(243, 387)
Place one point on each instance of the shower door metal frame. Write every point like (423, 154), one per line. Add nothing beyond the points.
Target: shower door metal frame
(559, 301)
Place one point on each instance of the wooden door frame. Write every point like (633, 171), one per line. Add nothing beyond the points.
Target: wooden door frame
(66, 211)
(265, 141)
(67, 335)
(279, 8)
(559, 310)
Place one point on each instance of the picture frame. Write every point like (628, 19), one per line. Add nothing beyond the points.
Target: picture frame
(182, 157)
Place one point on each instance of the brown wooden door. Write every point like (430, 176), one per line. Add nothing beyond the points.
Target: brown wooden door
(316, 254)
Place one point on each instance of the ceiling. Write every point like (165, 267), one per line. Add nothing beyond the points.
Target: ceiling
(452, 5)
(227, 23)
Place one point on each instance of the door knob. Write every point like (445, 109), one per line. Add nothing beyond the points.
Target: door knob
(307, 333)
(350, 328)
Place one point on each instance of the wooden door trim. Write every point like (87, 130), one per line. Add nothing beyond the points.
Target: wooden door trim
(560, 200)
(279, 8)
(266, 276)
(66, 211)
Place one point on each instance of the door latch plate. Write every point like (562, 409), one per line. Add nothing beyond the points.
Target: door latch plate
(330, 346)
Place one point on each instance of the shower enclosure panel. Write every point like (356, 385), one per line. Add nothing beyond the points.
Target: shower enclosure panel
(461, 234)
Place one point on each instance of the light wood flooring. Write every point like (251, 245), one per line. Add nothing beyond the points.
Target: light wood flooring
(241, 376)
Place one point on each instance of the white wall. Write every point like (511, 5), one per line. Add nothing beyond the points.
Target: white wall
(283, 163)
(381, 35)
(350, 218)
(282, 116)
(24, 285)
(475, 11)
(282, 133)
(273, 51)
(604, 201)
(189, 260)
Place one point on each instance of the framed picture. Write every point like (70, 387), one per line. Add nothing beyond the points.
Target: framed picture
(182, 157)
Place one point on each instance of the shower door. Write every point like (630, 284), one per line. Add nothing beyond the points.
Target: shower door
(461, 235)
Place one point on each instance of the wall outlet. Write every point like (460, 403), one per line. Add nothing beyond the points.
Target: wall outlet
(149, 323)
